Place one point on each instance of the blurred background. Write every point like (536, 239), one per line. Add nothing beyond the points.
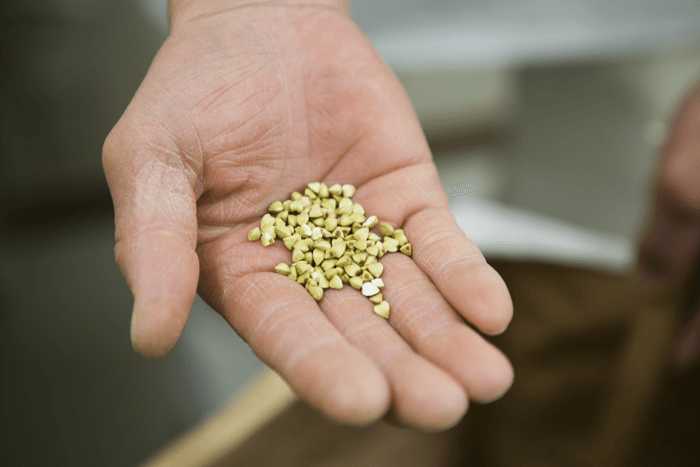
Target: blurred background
(544, 116)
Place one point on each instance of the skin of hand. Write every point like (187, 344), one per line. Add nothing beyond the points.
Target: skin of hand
(244, 105)
(670, 248)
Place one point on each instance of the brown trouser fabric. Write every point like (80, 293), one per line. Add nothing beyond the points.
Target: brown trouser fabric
(590, 355)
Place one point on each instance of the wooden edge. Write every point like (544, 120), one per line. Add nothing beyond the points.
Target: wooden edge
(253, 407)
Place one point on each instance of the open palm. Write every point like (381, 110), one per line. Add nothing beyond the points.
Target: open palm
(244, 107)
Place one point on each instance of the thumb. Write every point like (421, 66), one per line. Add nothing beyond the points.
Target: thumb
(156, 234)
(671, 244)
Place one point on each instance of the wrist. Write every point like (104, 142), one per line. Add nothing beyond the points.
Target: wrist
(182, 10)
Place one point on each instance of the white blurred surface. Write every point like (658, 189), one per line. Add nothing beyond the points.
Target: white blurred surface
(501, 231)
(417, 34)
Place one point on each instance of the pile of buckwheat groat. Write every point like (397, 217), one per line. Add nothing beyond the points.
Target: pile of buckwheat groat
(331, 243)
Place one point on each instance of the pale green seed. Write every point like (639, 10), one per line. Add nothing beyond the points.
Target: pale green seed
(267, 221)
(344, 208)
(323, 282)
(292, 220)
(290, 241)
(276, 207)
(386, 229)
(401, 239)
(352, 269)
(254, 234)
(329, 204)
(283, 232)
(329, 263)
(283, 215)
(382, 309)
(338, 249)
(348, 191)
(335, 282)
(296, 196)
(331, 223)
(323, 190)
(344, 277)
(308, 257)
(301, 245)
(303, 218)
(357, 219)
(298, 255)
(345, 220)
(378, 282)
(315, 186)
(362, 234)
(361, 245)
(343, 261)
(270, 231)
(303, 278)
(376, 298)
(356, 282)
(318, 256)
(370, 222)
(293, 273)
(316, 292)
(296, 206)
(406, 249)
(315, 212)
(309, 194)
(330, 273)
(359, 258)
(376, 269)
(323, 245)
(282, 268)
(267, 239)
(390, 244)
(373, 237)
(366, 276)
(302, 266)
(335, 189)
(372, 250)
(317, 274)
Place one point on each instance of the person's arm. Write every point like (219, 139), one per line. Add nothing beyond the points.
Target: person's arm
(670, 248)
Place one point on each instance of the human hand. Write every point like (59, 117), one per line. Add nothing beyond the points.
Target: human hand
(240, 108)
(670, 248)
